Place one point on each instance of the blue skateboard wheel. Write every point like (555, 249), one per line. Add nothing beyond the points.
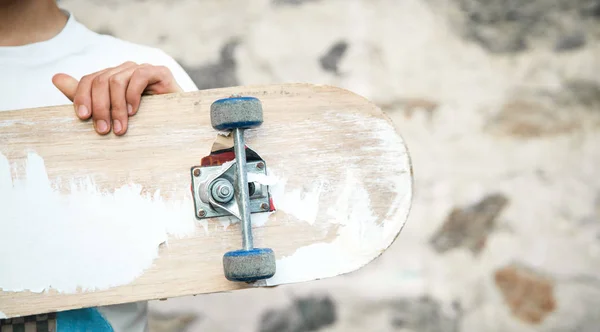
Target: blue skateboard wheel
(249, 265)
(236, 113)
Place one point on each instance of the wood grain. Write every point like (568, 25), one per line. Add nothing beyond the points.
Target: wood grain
(309, 132)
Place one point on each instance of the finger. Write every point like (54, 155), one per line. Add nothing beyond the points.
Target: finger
(162, 81)
(118, 84)
(122, 80)
(101, 103)
(83, 96)
(65, 84)
(150, 79)
(101, 100)
(134, 91)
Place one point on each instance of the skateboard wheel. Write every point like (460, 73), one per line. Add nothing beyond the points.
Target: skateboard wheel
(236, 112)
(249, 265)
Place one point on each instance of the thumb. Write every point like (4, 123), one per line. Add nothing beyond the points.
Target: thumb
(66, 84)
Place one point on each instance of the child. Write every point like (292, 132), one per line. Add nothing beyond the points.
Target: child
(48, 58)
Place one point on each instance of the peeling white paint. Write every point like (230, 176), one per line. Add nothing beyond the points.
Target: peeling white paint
(95, 240)
(359, 238)
(88, 243)
(204, 224)
(260, 219)
(303, 205)
(362, 234)
(256, 219)
(226, 221)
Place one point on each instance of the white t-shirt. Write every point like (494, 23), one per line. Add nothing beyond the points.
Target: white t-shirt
(26, 71)
(26, 82)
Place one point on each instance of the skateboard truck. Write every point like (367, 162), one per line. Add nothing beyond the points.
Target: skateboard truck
(224, 190)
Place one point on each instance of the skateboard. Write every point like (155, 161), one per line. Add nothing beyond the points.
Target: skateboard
(209, 191)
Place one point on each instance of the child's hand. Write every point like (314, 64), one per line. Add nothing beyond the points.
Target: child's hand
(111, 95)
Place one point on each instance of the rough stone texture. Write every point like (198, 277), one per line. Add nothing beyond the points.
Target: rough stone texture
(424, 314)
(529, 295)
(304, 315)
(178, 321)
(469, 227)
(584, 93)
(220, 74)
(491, 97)
(412, 105)
(517, 25)
(291, 2)
(542, 112)
(529, 118)
(570, 41)
(582, 315)
(330, 61)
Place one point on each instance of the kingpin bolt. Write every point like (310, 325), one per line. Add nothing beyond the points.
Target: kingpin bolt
(222, 191)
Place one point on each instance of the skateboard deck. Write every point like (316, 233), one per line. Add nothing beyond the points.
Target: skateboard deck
(90, 220)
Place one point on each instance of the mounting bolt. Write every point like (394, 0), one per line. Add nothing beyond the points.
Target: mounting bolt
(197, 172)
(260, 165)
(201, 213)
(222, 190)
(264, 206)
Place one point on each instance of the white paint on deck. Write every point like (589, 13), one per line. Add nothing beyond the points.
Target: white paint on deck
(86, 238)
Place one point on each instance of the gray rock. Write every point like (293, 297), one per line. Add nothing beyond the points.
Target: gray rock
(499, 42)
(292, 2)
(585, 93)
(304, 315)
(509, 26)
(590, 9)
(570, 42)
(330, 60)
(469, 226)
(217, 75)
(424, 314)
(166, 322)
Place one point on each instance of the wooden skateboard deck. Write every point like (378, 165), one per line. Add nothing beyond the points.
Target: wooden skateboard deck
(90, 220)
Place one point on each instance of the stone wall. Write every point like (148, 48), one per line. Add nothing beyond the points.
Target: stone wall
(499, 103)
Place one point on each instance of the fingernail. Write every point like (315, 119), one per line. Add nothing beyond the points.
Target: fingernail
(82, 111)
(117, 126)
(101, 126)
(129, 109)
